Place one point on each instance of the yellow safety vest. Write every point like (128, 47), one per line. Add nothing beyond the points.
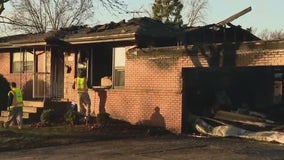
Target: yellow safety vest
(81, 84)
(18, 97)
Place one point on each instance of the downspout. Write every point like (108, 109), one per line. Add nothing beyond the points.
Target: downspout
(87, 68)
(113, 69)
(21, 68)
(91, 66)
(34, 69)
(45, 70)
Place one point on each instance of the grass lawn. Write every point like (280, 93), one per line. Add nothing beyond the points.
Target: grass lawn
(61, 134)
(29, 137)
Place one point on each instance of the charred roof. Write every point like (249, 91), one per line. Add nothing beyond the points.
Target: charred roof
(214, 33)
(143, 31)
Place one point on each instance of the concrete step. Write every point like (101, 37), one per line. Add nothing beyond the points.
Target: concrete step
(29, 109)
(3, 119)
(6, 114)
(37, 104)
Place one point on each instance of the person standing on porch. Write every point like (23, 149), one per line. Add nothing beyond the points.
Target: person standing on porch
(84, 102)
(15, 103)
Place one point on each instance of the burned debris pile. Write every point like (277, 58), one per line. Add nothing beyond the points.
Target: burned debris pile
(240, 123)
(244, 102)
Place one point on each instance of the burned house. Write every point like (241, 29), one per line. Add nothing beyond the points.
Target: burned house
(147, 72)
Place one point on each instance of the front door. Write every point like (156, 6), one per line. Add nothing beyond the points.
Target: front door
(41, 83)
(57, 76)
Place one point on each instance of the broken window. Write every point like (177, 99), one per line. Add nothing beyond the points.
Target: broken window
(107, 66)
(22, 62)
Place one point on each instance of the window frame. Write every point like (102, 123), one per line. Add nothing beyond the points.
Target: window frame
(25, 62)
(118, 83)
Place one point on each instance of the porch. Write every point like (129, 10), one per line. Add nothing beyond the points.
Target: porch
(32, 110)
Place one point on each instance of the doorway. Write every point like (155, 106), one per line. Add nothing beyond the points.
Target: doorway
(233, 87)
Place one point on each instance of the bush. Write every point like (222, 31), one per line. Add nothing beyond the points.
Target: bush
(48, 116)
(103, 119)
(4, 89)
(71, 117)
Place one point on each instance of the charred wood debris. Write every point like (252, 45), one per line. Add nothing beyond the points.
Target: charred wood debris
(241, 123)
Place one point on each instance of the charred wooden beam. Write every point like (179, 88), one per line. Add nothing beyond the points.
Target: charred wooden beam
(235, 16)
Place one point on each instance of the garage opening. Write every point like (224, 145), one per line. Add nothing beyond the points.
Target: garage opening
(207, 90)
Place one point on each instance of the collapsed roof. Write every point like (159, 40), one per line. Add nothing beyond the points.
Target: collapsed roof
(218, 34)
(133, 30)
(143, 31)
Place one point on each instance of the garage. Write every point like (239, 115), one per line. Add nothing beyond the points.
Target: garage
(255, 88)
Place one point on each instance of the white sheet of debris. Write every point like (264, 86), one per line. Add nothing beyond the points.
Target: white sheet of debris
(232, 131)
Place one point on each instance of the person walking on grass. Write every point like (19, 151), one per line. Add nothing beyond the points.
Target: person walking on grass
(15, 106)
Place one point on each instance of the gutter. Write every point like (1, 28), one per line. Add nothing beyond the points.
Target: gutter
(6, 45)
(17, 45)
(100, 39)
(75, 40)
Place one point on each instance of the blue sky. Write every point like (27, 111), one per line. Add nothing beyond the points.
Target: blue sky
(265, 14)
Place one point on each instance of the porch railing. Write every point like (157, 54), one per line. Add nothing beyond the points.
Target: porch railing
(41, 86)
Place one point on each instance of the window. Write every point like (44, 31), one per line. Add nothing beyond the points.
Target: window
(107, 66)
(119, 67)
(22, 62)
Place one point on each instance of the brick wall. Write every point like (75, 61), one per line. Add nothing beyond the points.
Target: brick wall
(5, 64)
(150, 83)
(260, 58)
(147, 87)
(153, 80)
(69, 93)
(23, 80)
(5, 69)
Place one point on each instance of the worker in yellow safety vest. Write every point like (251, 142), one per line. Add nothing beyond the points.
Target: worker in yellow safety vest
(83, 98)
(15, 106)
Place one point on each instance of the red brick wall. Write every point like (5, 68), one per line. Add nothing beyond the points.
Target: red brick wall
(261, 58)
(5, 64)
(148, 86)
(155, 81)
(19, 78)
(23, 80)
(69, 93)
(152, 80)
(150, 83)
